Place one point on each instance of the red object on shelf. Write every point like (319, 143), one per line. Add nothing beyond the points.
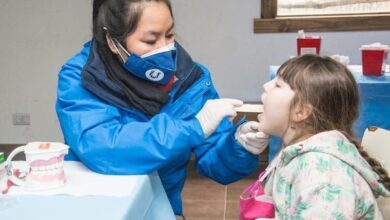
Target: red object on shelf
(373, 61)
(308, 45)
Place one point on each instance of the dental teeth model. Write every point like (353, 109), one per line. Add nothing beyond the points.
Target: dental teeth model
(46, 166)
(48, 173)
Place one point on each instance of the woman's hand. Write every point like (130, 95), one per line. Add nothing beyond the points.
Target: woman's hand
(249, 136)
(214, 111)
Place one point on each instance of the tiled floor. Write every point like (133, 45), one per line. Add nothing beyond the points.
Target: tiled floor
(204, 199)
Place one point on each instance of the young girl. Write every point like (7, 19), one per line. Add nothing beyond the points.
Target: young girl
(321, 172)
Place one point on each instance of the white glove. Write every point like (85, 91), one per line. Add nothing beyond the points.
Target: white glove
(251, 138)
(214, 111)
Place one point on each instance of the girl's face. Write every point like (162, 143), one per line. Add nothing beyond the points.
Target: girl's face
(154, 29)
(277, 98)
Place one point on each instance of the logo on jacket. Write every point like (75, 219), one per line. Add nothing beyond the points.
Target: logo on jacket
(154, 74)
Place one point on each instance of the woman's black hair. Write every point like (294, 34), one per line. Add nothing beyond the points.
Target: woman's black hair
(95, 10)
(118, 18)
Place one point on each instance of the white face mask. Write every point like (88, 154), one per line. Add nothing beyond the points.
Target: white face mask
(163, 49)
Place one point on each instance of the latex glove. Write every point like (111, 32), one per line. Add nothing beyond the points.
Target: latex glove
(251, 138)
(214, 111)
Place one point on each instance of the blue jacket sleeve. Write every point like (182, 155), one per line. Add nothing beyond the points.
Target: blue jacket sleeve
(108, 143)
(220, 156)
(227, 161)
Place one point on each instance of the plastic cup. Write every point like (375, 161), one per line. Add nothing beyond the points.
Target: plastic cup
(308, 45)
(374, 61)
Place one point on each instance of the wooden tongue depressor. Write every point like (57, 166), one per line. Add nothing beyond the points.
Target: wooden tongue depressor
(255, 108)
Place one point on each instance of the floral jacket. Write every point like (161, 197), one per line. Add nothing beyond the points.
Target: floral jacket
(324, 177)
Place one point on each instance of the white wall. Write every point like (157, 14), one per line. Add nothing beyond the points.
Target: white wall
(220, 35)
(38, 36)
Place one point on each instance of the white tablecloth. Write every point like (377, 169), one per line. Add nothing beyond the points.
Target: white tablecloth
(88, 195)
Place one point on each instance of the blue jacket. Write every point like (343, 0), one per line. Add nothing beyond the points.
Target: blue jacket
(109, 139)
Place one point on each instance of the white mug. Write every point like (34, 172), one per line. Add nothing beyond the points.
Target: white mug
(44, 160)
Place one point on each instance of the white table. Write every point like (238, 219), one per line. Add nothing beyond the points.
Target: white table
(89, 195)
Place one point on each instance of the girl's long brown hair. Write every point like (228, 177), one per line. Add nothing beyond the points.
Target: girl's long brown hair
(330, 88)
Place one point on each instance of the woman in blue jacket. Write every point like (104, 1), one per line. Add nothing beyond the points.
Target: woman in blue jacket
(132, 101)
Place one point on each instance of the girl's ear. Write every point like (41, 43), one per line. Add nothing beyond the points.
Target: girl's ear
(111, 45)
(302, 112)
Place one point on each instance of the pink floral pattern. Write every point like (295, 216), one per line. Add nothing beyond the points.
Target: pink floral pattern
(324, 177)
